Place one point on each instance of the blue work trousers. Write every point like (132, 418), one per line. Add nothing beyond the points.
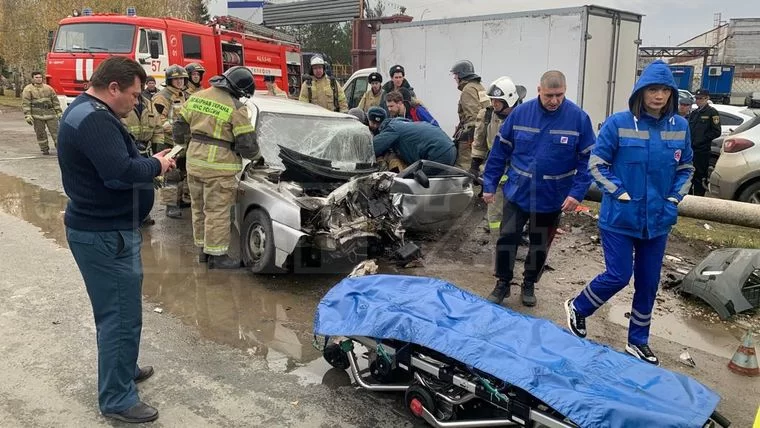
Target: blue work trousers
(620, 264)
(112, 271)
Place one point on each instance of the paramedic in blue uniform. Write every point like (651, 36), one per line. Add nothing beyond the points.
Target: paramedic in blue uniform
(642, 161)
(544, 145)
(110, 190)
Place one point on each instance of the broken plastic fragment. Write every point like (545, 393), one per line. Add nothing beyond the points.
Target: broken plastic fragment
(686, 359)
(158, 310)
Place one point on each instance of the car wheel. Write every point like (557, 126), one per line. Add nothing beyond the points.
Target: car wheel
(257, 242)
(751, 194)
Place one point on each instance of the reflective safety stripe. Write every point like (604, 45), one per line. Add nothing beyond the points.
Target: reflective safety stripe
(503, 179)
(199, 242)
(639, 314)
(216, 166)
(561, 176)
(640, 323)
(632, 133)
(216, 250)
(212, 153)
(494, 224)
(588, 149)
(507, 142)
(242, 129)
(673, 135)
(593, 163)
(521, 172)
(597, 302)
(526, 129)
(564, 132)
(210, 108)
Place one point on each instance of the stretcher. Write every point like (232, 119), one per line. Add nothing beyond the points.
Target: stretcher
(464, 362)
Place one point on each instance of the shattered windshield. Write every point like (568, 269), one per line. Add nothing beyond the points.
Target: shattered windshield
(344, 142)
(95, 37)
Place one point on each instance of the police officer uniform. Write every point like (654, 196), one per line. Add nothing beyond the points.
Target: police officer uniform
(168, 103)
(219, 129)
(704, 125)
(42, 109)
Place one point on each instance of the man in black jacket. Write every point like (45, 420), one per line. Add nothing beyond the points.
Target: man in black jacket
(704, 125)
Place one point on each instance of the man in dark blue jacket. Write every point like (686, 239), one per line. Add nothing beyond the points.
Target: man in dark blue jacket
(110, 190)
(413, 141)
(546, 143)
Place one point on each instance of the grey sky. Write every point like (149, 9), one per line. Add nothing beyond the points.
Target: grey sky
(666, 22)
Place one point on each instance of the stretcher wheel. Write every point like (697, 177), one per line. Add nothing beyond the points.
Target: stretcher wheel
(381, 370)
(335, 356)
(417, 397)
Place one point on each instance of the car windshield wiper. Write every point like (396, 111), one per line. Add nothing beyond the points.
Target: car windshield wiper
(88, 49)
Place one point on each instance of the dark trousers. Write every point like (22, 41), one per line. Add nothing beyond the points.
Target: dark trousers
(620, 264)
(112, 271)
(541, 231)
(699, 181)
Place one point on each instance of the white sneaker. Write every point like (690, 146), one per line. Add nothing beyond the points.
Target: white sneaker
(642, 352)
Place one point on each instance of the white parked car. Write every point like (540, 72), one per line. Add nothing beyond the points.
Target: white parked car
(736, 175)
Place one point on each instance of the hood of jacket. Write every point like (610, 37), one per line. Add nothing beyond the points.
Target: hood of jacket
(656, 73)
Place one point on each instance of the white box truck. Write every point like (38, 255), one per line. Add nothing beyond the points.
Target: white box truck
(595, 47)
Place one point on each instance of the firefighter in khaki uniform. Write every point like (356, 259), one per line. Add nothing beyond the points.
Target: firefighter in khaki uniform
(195, 73)
(505, 96)
(143, 125)
(321, 89)
(471, 101)
(219, 129)
(41, 109)
(168, 103)
(273, 89)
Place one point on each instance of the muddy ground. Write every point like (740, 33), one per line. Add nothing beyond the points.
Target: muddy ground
(234, 349)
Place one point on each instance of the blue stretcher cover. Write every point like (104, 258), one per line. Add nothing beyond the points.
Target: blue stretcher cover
(591, 384)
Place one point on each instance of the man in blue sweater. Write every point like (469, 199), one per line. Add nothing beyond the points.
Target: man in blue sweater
(110, 190)
(545, 143)
(412, 141)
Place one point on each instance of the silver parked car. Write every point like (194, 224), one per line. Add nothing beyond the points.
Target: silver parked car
(736, 175)
(316, 190)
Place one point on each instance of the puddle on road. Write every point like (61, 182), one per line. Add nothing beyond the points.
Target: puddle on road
(266, 316)
(689, 330)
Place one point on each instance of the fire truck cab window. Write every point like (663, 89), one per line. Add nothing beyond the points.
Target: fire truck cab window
(153, 35)
(191, 46)
(95, 37)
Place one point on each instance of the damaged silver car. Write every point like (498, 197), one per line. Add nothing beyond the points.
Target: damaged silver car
(316, 191)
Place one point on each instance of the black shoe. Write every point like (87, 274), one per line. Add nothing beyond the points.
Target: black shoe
(575, 321)
(184, 204)
(145, 373)
(148, 221)
(500, 292)
(643, 352)
(137, 414)
(528, 294)
(202, 257)
(222, 262)
(46, 152)
(173, 211)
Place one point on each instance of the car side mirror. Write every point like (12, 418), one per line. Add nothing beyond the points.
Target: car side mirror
(422, 179)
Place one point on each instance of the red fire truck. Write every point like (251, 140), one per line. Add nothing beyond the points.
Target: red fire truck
(82, 42)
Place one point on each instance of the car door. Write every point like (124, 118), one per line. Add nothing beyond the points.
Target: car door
(430, 194)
